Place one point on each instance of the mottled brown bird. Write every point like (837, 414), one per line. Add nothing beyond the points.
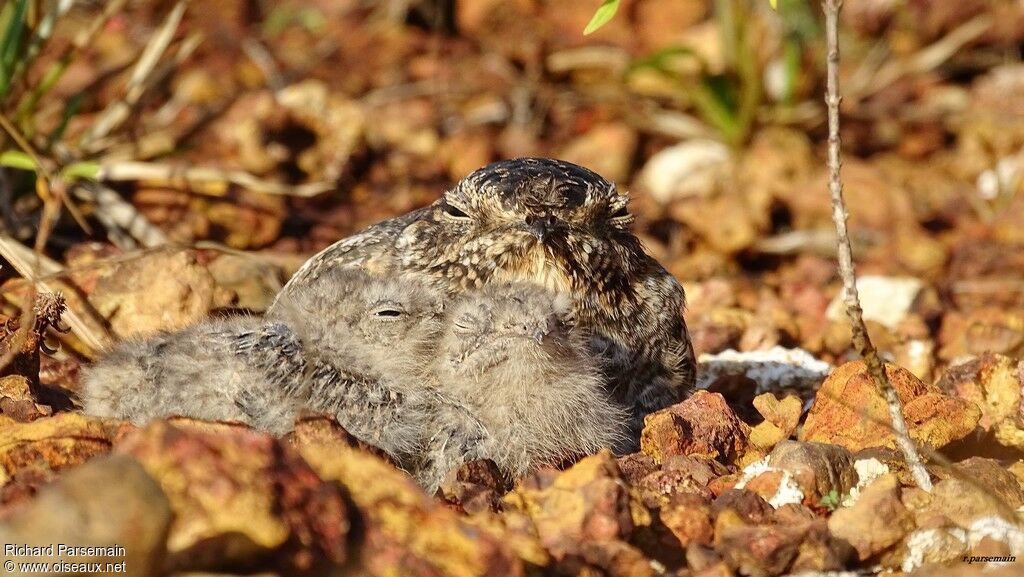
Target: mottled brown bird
(557, 225)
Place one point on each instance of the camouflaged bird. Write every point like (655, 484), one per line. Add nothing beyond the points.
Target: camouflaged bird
(510, 354)
(557, 225)
(351, 345)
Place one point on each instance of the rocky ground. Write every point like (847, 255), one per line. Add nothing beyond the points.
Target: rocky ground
(333, 115)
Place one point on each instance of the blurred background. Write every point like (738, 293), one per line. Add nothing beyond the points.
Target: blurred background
(258, 132)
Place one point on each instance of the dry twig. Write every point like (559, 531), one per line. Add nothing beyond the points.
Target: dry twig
(861, 340)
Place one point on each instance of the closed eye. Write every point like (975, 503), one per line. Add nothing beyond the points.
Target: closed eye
(454, 211)
(387, 313)
(620, 213)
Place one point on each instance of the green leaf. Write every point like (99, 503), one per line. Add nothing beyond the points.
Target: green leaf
(17, 159)
(10, 42)
(603, 15)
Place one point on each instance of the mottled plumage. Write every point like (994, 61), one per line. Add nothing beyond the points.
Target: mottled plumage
(557, 225)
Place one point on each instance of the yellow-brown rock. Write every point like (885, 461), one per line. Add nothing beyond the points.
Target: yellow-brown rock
(240, 497)
(993, 382)
(876, 522)
(405, 532)
(850, 411)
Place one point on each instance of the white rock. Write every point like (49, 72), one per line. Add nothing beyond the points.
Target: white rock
(885, 300)
(867, 471)
(1004, 179)
(689, 169)
(934, 546)
(789, 491)
(771, 369)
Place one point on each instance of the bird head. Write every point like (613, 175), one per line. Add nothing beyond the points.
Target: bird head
(537, 220)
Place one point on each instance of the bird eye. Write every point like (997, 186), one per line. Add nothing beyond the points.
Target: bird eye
(621, 213)
(454, 211)
(387, 313)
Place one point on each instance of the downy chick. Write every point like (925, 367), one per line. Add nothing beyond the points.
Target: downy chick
(201, 371)
(510, 354)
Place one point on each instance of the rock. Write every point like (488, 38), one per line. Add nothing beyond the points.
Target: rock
(636, 466)
(818, 469)
(777, 549)
(773, 369)
(992, 329)
(475, 486)
(607, 149)
(877, 522)
(108, 503)
(702, 425)
(680, 474)
(163, 290)
(849, 411)
(992, 382)
(587, 502)
(32, 454)
(885, 300)
(933, 546)
(241, 498)
(751, 507)
(725, 221)
(18, 402)
(781, 419)
(254, 281)
(688, 517)
(404, 532)
(690, 169)
(973, 489)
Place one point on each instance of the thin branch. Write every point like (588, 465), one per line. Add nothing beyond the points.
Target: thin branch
(861, 341)
(197, 176)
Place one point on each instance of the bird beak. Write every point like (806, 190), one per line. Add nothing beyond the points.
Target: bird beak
(541, 226)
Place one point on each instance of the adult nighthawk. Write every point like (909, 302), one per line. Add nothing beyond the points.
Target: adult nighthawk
(558, 225)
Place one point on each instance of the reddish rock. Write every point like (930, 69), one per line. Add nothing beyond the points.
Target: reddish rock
(679, 474)
(750, 506)
(777, 549)
(636, 466)
(702, 425)
(404, 532)
(240, 496)
(589, 501)
(475, 486)
(849, 411)
(32, 454)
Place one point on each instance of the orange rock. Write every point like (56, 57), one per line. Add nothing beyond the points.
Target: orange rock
(702, 425)
(849, 411)
(993, 382)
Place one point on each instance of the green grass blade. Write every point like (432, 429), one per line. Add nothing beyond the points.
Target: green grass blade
(11, 45)
(602, 16)
(17, 159)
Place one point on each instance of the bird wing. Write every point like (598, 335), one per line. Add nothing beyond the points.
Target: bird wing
(372, 249)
